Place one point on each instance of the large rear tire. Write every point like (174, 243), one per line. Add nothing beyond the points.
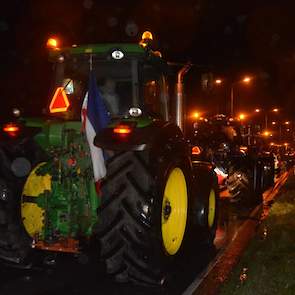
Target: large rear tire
(143, 216)
(17, 161)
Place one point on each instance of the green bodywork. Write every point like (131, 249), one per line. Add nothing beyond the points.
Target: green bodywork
(71, 205)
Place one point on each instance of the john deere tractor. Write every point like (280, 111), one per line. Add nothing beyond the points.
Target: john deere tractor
(153, 205)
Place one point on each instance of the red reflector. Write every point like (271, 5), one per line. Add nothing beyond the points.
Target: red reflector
(122, 129)
(196, 150)
(59, 102)
(11, 129)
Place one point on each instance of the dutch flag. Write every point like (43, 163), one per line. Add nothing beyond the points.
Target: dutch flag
(94, 117)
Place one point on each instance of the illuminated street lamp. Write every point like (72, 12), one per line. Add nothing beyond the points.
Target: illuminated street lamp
(196, 115)
(274, 110)
(245, 80)
(242, 116)
(218, 81)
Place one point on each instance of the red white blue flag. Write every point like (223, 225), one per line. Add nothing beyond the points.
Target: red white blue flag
(94, 117)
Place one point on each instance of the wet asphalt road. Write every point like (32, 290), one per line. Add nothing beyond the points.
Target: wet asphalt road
(69, 276)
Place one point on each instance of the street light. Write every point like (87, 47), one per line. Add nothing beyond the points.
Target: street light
(196, 115)
(245, 80)
(242, 116)
(274, 110)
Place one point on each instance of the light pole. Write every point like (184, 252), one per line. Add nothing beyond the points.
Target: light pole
(232, 100)
(245, 80)
(275, 110)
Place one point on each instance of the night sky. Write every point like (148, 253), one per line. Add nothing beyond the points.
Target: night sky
(228, 38)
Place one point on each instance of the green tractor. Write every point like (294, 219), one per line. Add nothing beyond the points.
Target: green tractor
(153, 204)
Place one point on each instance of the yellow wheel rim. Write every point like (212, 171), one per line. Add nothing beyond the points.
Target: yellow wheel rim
(211, 208)
(32, 214)
(174, 211)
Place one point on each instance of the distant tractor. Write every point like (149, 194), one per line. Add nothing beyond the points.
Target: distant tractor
(153, 205)
(243, 168)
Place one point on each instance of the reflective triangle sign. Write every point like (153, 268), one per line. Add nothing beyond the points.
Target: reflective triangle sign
(59, 102)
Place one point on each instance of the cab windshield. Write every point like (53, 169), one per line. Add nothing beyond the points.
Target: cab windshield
(121, 84)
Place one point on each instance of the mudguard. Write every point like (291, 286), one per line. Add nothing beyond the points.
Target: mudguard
(154, 135)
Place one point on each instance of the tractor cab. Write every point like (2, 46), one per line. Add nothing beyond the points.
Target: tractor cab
(131, 80)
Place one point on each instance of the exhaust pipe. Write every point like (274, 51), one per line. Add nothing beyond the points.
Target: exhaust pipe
(180, 106)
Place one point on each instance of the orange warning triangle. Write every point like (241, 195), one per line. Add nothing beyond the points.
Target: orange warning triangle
(59, 102)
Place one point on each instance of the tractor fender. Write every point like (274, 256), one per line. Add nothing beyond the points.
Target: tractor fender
(153, 136)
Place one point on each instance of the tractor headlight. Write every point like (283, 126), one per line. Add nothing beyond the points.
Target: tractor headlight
(135, 112)
(16, 112)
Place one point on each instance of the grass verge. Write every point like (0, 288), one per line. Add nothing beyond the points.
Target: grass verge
(268, 264)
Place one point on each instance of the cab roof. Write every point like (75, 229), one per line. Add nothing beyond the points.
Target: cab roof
(99, 49)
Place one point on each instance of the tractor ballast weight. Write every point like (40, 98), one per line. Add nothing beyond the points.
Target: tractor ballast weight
(153, 205)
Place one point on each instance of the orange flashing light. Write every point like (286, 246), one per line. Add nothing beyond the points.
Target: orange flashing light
(52, 43)
(59, 102)
(122, 129)
(11, 129)
(196, 150)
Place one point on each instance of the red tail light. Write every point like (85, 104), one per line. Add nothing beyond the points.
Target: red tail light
(196, 150)
(122, 129)
(12, 129)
